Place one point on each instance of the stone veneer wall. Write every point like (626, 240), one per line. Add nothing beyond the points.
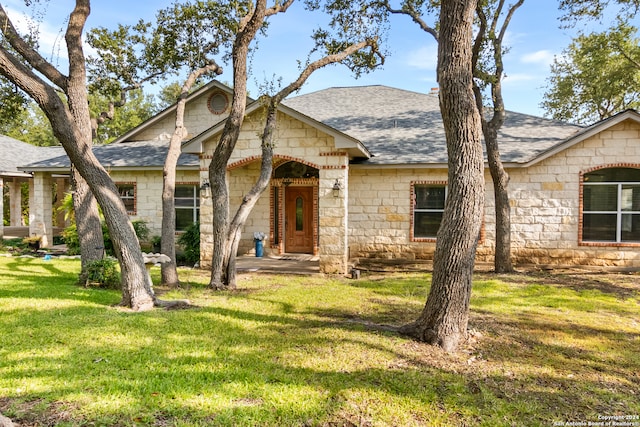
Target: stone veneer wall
(197, 119)
(148, 202)
(295, 141)
(380, 213)
(545, 200)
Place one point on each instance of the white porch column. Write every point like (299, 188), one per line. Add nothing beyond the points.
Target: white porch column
(333, 217)
(41, 209)
(15, 202)
(1, 208)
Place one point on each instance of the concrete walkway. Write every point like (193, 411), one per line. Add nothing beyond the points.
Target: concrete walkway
(285, 264)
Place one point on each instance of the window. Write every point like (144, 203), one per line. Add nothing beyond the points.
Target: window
(218, 103)
(187, 200)
(428, 207)
(128, 195)
(611, 206)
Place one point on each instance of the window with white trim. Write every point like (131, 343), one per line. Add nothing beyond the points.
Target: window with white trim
(611, 206)
(428, 208)
(187, 201)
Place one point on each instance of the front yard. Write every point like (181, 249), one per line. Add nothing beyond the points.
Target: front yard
(313, 351)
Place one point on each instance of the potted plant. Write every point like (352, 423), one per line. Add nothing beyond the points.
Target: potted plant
(33, 242)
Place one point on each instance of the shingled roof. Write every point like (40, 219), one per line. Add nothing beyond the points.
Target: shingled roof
(16, 153)
(136, 155)
(404, 127)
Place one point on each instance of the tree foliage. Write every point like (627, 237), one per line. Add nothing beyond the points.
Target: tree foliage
(597, 76)
(22, 64)
(138, 108)
(575, 10)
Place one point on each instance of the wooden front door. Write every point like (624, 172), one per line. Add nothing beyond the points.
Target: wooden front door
(299, 220)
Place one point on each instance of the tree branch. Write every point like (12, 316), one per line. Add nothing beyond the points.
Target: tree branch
(414, 15)
(329, 59)
(278, 8)
(29, 53)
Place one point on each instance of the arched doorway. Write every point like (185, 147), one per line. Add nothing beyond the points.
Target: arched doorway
(294, 208)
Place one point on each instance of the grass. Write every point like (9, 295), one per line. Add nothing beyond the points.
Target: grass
(294, 351)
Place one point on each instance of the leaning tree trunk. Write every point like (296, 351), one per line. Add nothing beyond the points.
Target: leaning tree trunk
(224, 149)
(169, 272)
(88, 223)
(71, 124)
(444, 319)
(251, 198)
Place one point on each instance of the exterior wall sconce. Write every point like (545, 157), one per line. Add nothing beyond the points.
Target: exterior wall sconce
(205, 189)
(336, 188)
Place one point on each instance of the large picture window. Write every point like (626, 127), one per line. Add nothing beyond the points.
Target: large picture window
(611, 206)
(127, 192)
(187, 200)
(428, 207)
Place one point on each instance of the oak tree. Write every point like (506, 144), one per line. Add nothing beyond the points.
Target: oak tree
(597, 76)
(23, 65)
(353, 42)
(184, 37)
(444, 319)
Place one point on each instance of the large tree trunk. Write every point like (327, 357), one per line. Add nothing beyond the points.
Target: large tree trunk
(488, 36)
(444, 319)
(71, 124)
(218, 167)
(88, 223)
(168, 244)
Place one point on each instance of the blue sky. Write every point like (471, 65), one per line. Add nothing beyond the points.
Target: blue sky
(534, 38)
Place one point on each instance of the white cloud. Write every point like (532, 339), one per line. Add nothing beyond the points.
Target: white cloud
(519, 78)
(424, 58)
(542, 57)
(50, 39)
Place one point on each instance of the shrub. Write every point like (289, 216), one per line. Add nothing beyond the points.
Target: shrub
(139, 226)
(71, 239)
(190, 240)
(103, 273)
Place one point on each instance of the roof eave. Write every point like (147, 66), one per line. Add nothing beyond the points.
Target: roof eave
(584, 135)
(171, 109)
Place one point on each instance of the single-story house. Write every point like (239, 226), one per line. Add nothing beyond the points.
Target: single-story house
(361, 172)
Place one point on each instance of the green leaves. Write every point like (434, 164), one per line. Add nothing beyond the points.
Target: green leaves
(597, 76)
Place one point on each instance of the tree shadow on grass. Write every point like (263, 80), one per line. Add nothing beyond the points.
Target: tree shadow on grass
(622, 286)
(243, 367)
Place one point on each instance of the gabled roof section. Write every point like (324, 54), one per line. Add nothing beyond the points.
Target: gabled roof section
(203, 91)
(342, 141)
(404, 127)
(17, 153)
(588, 132)
(136, 155)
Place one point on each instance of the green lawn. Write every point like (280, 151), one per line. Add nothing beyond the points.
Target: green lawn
(306, 351)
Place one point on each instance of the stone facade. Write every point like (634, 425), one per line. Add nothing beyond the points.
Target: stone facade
(372, 217)
(546, 197)
(299, 142)
(148, 194)
(197, 119)
(366, 210)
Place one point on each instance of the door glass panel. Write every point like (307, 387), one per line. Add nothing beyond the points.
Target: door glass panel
(299, 214)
